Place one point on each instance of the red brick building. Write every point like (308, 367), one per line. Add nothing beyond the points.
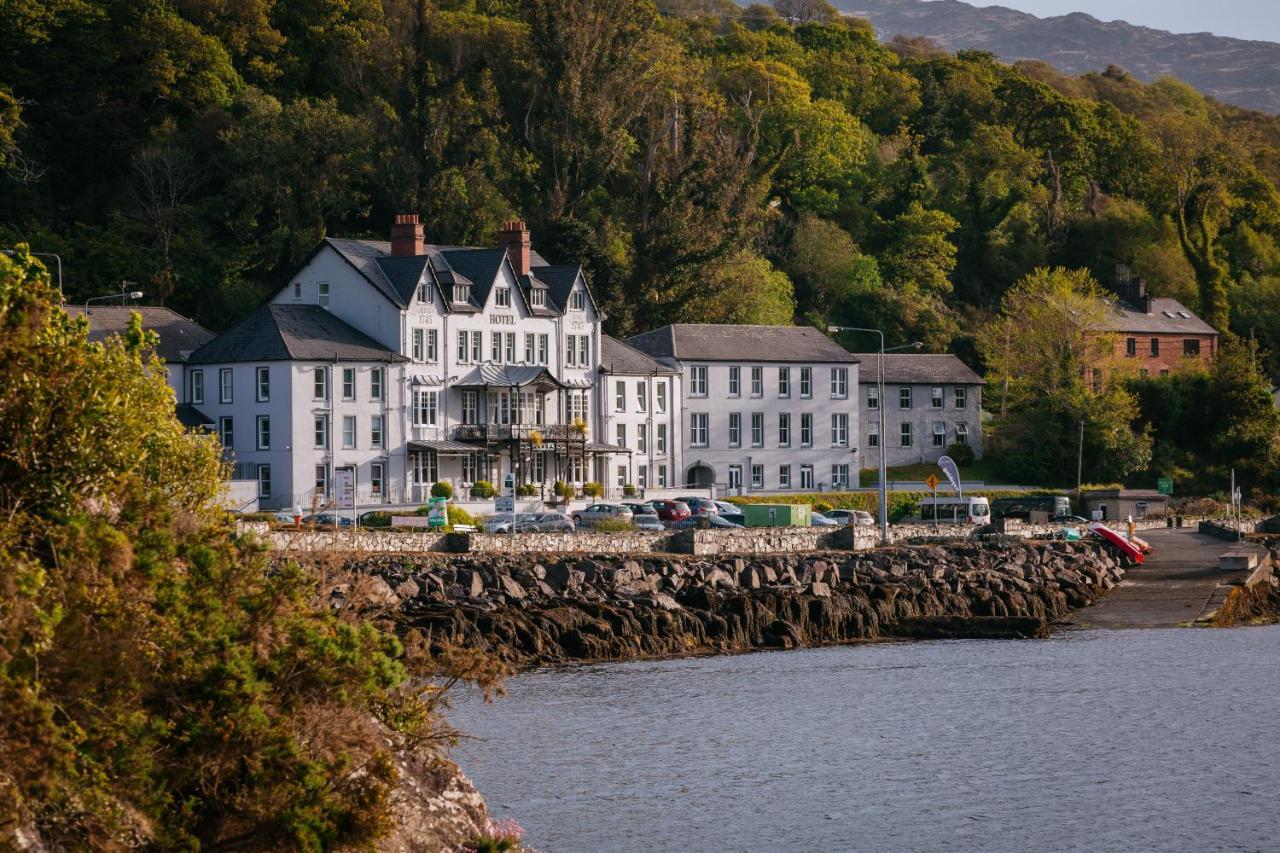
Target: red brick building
(1156, 335)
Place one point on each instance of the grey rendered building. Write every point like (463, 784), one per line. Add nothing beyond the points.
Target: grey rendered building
(932, 401)
(766, 408)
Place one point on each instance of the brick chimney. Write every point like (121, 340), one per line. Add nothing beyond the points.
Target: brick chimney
(1132, 289)
(515, 239)
(406, 236)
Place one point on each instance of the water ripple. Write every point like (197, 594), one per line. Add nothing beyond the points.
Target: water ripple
(1124, 740)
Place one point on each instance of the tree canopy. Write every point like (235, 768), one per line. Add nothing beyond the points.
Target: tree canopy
(202, 149)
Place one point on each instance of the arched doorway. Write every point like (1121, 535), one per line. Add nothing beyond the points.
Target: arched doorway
(700, 476)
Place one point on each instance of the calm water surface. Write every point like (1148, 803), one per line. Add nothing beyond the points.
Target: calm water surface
(1162, 740)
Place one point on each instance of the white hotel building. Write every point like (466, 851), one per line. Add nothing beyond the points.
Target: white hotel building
(766, 408)
(409, 364)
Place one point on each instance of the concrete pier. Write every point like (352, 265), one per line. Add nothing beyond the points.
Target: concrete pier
(1185, 580)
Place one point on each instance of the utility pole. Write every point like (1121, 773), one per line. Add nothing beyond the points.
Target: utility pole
(1080, 463)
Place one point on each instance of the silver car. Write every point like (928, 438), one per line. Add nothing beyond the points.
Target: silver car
(851, 517)
(530, 522)
(596, 513)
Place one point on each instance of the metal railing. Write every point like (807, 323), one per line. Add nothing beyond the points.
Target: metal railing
(508, 432)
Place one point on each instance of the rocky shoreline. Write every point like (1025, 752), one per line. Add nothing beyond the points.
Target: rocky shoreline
(539, 609)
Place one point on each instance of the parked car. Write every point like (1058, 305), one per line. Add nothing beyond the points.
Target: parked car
(504, 523)
(696, 522)
(595, 513)
(284, 516)
(731, 513)
(328, 519)
(700, 506)
(671, 511)
(851, 517)
(817, 519)
(530, 522)
(644, 516)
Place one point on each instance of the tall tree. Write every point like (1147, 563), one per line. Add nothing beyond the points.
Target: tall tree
(1056, 417)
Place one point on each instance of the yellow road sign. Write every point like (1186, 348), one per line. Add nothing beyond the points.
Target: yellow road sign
(932, 482)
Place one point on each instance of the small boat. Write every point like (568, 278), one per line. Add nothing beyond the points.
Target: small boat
(1126, 547)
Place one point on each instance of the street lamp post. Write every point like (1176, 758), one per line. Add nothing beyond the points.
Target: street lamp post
(884, 470)
(53, 255)
(123, 295)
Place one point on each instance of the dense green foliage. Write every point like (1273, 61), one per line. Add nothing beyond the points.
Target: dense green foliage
(1060, 415)
(706, 162)
(1206, 423)
(160, 685)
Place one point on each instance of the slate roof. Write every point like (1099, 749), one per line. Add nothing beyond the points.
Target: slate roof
(292, 333)
(397, 277)
(617, 357)
(918, 368)
(404, 275)
(723, 342)
(364, 256)
(560, 279)
(179, 337)
(1166, 317)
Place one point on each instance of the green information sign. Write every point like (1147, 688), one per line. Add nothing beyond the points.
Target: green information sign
(1164, 485)
(438, 514)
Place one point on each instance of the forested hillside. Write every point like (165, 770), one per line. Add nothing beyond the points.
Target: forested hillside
(705, 163)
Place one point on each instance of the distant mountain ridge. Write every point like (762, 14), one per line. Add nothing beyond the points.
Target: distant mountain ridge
(1235, 71)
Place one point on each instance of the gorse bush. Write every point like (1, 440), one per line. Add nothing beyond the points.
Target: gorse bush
(160, 683)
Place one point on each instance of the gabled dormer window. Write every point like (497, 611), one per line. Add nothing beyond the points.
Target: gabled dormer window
(423, 296)
(537, 297)
(460, 293)
(503, 297)
(577, 301)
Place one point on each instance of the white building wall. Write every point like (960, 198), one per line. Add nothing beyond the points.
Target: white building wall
(351, 297)
(244, 409)
(649, 467)
(718, 405)
(923, 417)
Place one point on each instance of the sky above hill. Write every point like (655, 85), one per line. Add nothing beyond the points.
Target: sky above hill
(1248, 19)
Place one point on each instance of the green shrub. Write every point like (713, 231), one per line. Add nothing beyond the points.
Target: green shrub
(961, 454)
(256, 516)
(563, 490)
(458, 515)
(527, 490)
(592, 490)
(442, 490)
(628, 491)
(376, 519)
(161, 678)
(482, 489)
(612, 525)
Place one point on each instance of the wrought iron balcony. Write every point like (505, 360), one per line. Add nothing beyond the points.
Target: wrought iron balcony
(511, 432)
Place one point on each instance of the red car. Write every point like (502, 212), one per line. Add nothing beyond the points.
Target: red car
(671, 511)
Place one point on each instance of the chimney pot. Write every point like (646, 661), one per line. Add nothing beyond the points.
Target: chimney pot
(407, 236)
(515, 239)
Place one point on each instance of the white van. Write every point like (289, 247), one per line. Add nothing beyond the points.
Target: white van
(955, 510)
